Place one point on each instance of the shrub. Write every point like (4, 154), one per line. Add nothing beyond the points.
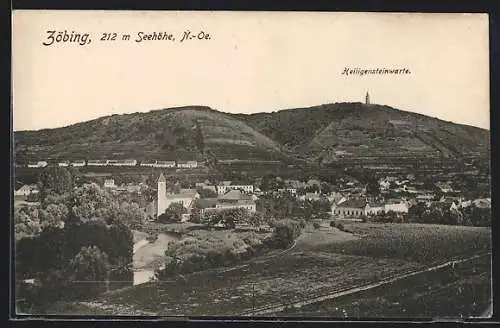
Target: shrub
(333, 224)
(316, 225)
(285, 233)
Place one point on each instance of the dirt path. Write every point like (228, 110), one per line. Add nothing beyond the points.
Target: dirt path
(275, 308)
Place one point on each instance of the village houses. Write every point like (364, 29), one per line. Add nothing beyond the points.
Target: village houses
(38, 164)
(230, 200)
(26, 190)
(187, 164)
(358, 207)
(226, 186)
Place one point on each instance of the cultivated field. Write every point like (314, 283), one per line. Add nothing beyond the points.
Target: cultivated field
(322, 262)
(460, 291)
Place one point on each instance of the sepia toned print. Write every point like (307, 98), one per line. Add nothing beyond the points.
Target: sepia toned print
(319, 165)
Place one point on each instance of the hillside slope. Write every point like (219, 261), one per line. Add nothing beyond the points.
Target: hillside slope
(178, 133)
(355, 130)
(328, 132)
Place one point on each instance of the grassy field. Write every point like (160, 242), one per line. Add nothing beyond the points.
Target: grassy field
(325, 261)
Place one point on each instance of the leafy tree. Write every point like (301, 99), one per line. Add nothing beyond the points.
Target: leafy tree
(269, 183)
(89, 265)
(90, 201)
(256, 219)
(206, 193)
(417, 210)
(476, 216)
(326, 188)
(173, 213)
(27, 222)
(286, 232)
(130, 214)
(230, 217)
(54, 215)
(55, 180)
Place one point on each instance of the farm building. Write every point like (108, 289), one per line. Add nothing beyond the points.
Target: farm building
(375, 208)
(109, 183)
(236, 199)
(122, 162)
(232, 199)
(396, 205)
(311, 196)
(482, 202)
(206, 185)
(37, 164)
(336, 198)
(148, 163)
(78, 163)
(26, 190)
(97, 162)
(292, 191)
(351, 208)
(187, 164)
(424, 197)
(166, 164)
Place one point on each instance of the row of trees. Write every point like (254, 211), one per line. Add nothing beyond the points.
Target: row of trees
(288, 207)
(468, 216)
(273, 183)
(229, 218)
(421, 213)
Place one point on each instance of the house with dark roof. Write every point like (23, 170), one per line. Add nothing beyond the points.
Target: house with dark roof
(26, 190)
(351, 208)
(231, 199)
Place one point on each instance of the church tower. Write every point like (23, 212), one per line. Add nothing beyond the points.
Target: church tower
(162, 194)
(367, 98)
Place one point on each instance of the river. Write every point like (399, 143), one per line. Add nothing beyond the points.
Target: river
(148, 257)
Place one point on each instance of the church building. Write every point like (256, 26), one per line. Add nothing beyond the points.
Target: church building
(186, 197)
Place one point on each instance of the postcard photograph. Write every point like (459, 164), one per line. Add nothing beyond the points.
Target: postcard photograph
(251, 164)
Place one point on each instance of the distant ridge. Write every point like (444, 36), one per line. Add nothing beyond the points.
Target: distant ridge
(326, 133)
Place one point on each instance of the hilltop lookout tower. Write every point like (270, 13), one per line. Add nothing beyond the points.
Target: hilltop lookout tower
(367, 98)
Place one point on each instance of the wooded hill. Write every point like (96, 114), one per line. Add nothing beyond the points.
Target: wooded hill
(327, 133)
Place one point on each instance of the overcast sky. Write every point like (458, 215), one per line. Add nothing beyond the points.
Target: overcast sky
(254, 62)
